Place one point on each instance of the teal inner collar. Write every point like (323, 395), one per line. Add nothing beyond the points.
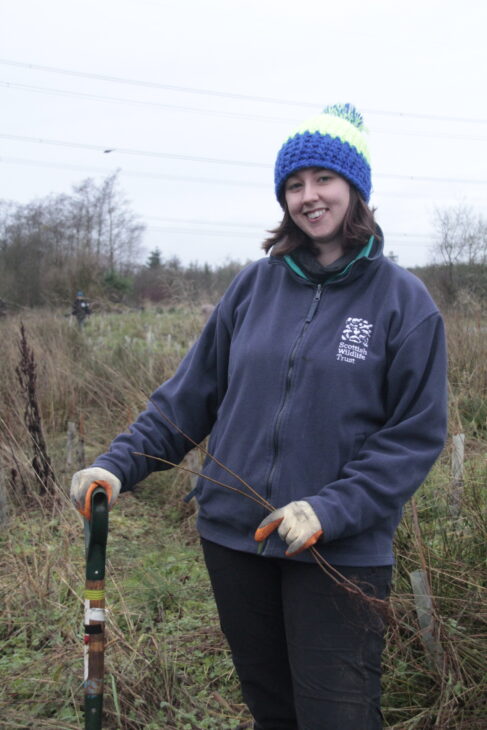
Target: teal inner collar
(363, 253)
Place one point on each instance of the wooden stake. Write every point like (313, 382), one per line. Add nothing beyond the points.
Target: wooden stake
(70, 441)
(425, 612)
(3, 498)
(457, 470)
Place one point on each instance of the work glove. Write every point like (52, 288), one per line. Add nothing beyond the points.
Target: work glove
(83, 484)
(298, 526)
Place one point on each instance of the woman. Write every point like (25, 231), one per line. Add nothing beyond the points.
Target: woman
(321, 379)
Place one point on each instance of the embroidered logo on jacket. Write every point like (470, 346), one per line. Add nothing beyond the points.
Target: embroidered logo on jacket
(354, 340)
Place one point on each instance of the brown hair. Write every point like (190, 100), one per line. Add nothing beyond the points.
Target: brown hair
(357, 227)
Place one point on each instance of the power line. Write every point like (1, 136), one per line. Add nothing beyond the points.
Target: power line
(420, 239)
(263, 228)
(154, 84)
(152, 104)
(225, 94)
(195, 232)
(219, 161)
(203, 180)
(257, 226)
(216, 112)
(139, 153)
(425, 178)
(133, 173)
(191, 179)
(260, 227)
(198, 222)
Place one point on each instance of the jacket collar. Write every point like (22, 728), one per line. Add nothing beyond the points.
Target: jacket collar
(369, 254)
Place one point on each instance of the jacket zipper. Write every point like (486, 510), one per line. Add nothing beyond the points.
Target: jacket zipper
(292, 358)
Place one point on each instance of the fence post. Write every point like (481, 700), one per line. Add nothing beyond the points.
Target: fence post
(75, 448)
(80, 448)
(457, 464)
(3, 498)
(70, 439)
(424, 609)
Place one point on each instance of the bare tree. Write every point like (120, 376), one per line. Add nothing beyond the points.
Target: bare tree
(461, 240)
(461, 236)
(50, 247)
(119, 232)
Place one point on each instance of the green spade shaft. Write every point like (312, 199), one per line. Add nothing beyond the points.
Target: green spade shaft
(96, 533)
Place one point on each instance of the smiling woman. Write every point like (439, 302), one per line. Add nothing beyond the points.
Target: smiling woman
(317, 201)
(323, 183)
(320, 378)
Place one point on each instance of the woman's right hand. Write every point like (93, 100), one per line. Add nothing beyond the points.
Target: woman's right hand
(85, 481)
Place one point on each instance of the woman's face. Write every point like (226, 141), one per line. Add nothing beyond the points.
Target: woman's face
(317, 200)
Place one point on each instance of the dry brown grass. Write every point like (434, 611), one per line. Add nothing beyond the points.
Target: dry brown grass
(167, 663)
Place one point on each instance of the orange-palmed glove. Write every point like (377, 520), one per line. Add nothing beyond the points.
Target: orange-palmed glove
(85, 481)
(297, 524)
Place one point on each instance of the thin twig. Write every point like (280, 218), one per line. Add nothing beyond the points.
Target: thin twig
(201, 448)
(347, 584)
(203, 476)
(335, 575)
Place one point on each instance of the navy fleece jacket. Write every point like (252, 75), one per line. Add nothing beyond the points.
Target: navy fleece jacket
(332, 393)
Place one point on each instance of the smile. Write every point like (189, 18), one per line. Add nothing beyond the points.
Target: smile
(315, 214)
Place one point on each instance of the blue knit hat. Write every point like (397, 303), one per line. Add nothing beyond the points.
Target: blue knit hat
(334, 140)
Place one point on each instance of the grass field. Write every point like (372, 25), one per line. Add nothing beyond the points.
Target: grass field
(167, 665)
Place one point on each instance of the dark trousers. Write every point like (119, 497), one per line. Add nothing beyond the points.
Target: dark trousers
(308, 654)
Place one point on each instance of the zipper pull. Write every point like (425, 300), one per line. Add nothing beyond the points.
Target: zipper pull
(314, 304)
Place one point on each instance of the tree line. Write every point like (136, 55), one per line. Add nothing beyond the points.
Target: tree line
(53, 246)
(91, 240)
(457, 274)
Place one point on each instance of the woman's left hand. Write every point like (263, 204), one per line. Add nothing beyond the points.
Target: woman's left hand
(298, 526)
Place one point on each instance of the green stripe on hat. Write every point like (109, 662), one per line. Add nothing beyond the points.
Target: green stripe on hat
(335, 127)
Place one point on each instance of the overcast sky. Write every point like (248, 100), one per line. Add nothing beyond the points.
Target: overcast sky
(196, 97)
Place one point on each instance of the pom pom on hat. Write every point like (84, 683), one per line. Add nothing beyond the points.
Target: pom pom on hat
(334, 140)
(348, 112)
